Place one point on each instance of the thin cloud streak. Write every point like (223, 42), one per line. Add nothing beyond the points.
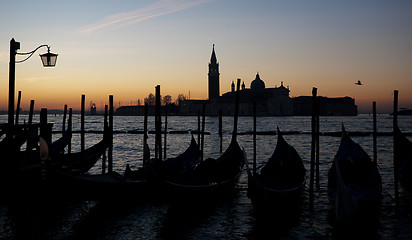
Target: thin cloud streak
(160, 8)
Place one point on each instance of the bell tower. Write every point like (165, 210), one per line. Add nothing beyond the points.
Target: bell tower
(214, 86)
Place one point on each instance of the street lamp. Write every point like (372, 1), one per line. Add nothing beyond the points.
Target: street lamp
(48, 60)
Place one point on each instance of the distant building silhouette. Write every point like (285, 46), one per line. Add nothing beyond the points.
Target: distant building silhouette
(270, 101)
(344, 106)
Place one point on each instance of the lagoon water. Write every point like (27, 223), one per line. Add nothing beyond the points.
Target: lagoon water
(230, 219)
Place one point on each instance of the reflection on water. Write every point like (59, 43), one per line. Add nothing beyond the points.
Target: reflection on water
(231, 219)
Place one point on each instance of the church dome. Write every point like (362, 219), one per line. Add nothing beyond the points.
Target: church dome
(257, 84)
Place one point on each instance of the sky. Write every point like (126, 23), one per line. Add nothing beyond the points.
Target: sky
(125, 48)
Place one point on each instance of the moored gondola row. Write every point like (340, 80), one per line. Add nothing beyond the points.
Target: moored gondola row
(354, 182)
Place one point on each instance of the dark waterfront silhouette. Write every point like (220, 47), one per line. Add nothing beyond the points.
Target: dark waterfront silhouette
(270, 101)
(51, 216)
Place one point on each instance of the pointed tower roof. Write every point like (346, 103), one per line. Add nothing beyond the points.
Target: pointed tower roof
(213, 59)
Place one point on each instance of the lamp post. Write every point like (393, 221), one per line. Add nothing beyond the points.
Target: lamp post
(48, 60)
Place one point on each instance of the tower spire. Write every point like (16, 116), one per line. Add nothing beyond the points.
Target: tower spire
(213, 59)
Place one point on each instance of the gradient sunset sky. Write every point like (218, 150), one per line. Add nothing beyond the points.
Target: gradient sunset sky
(127, 47)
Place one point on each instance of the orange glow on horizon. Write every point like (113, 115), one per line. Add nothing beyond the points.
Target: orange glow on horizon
(72, 97)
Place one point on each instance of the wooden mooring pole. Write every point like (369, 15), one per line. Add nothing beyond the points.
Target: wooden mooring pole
(18, 108)
(45, 133)
(158, 125)
(106, 126)
(236, 114)
(254, 138)
(64, 123)
(165, 141)
(395, 150)
(82, 141)
(30, 141)
(220, 130)
(110, 149)
(203, 132)
(45, 129)
(312, 152)
(317, 110)
(31, 112)
(198, 130)
(375, 151)
(64, 119)
(70, 126)
(146, 152)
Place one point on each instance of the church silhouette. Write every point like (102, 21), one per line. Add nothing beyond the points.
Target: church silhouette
(270, 101)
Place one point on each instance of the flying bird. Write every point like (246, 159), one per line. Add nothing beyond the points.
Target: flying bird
(358, 83)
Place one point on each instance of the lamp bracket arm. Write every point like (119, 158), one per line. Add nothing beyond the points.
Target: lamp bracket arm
(31, 53)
